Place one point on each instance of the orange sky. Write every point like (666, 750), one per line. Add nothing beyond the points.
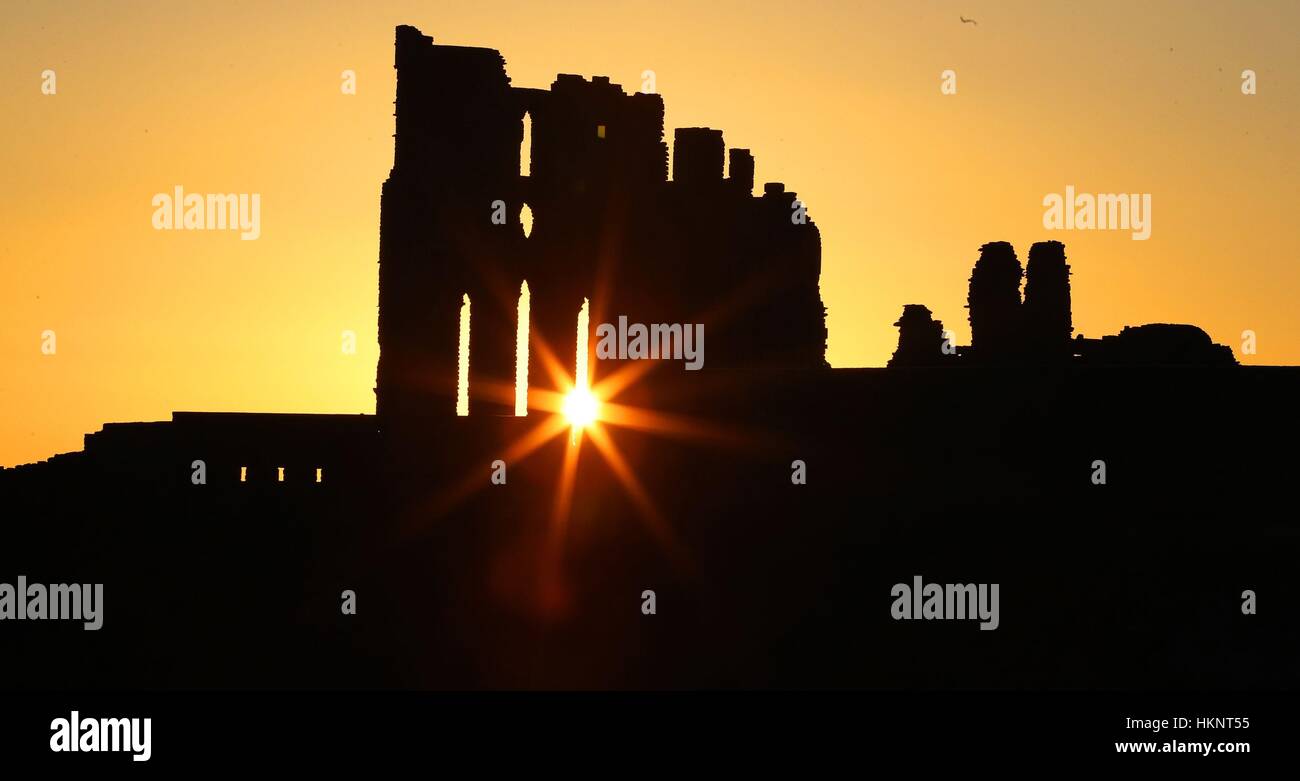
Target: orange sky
(841, 101)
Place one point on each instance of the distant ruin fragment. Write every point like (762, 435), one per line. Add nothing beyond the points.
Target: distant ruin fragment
(1006, 331)
(921, 339)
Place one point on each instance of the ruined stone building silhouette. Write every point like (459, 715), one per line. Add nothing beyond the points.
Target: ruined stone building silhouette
(565, 193)
(608, 226)
(262, 519)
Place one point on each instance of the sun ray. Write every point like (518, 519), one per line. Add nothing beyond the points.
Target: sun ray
(622, 377)
(667, 424)
(559, 376)
(442, 503)
(563, 506)
(551, 572)
(540, 435)
(654, 520)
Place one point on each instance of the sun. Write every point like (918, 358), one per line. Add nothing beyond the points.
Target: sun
(581, 407)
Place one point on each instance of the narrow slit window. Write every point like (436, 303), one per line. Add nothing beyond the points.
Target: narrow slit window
(526, 147)
(462, 378)
(580, 378)
(521, 353)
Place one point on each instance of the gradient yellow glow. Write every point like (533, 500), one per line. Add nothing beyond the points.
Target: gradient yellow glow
(839, 100)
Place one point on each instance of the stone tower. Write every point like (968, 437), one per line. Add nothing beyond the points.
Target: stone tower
(994, 304)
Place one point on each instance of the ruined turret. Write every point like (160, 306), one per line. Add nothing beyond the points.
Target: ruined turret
(921, 340)
(994, 304)
(1045, 314)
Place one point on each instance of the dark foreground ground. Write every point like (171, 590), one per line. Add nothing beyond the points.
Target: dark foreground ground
(959, 476)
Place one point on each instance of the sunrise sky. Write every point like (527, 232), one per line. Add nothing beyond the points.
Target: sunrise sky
(841, 101)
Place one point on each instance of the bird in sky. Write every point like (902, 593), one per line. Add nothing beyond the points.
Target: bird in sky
(968, 21)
